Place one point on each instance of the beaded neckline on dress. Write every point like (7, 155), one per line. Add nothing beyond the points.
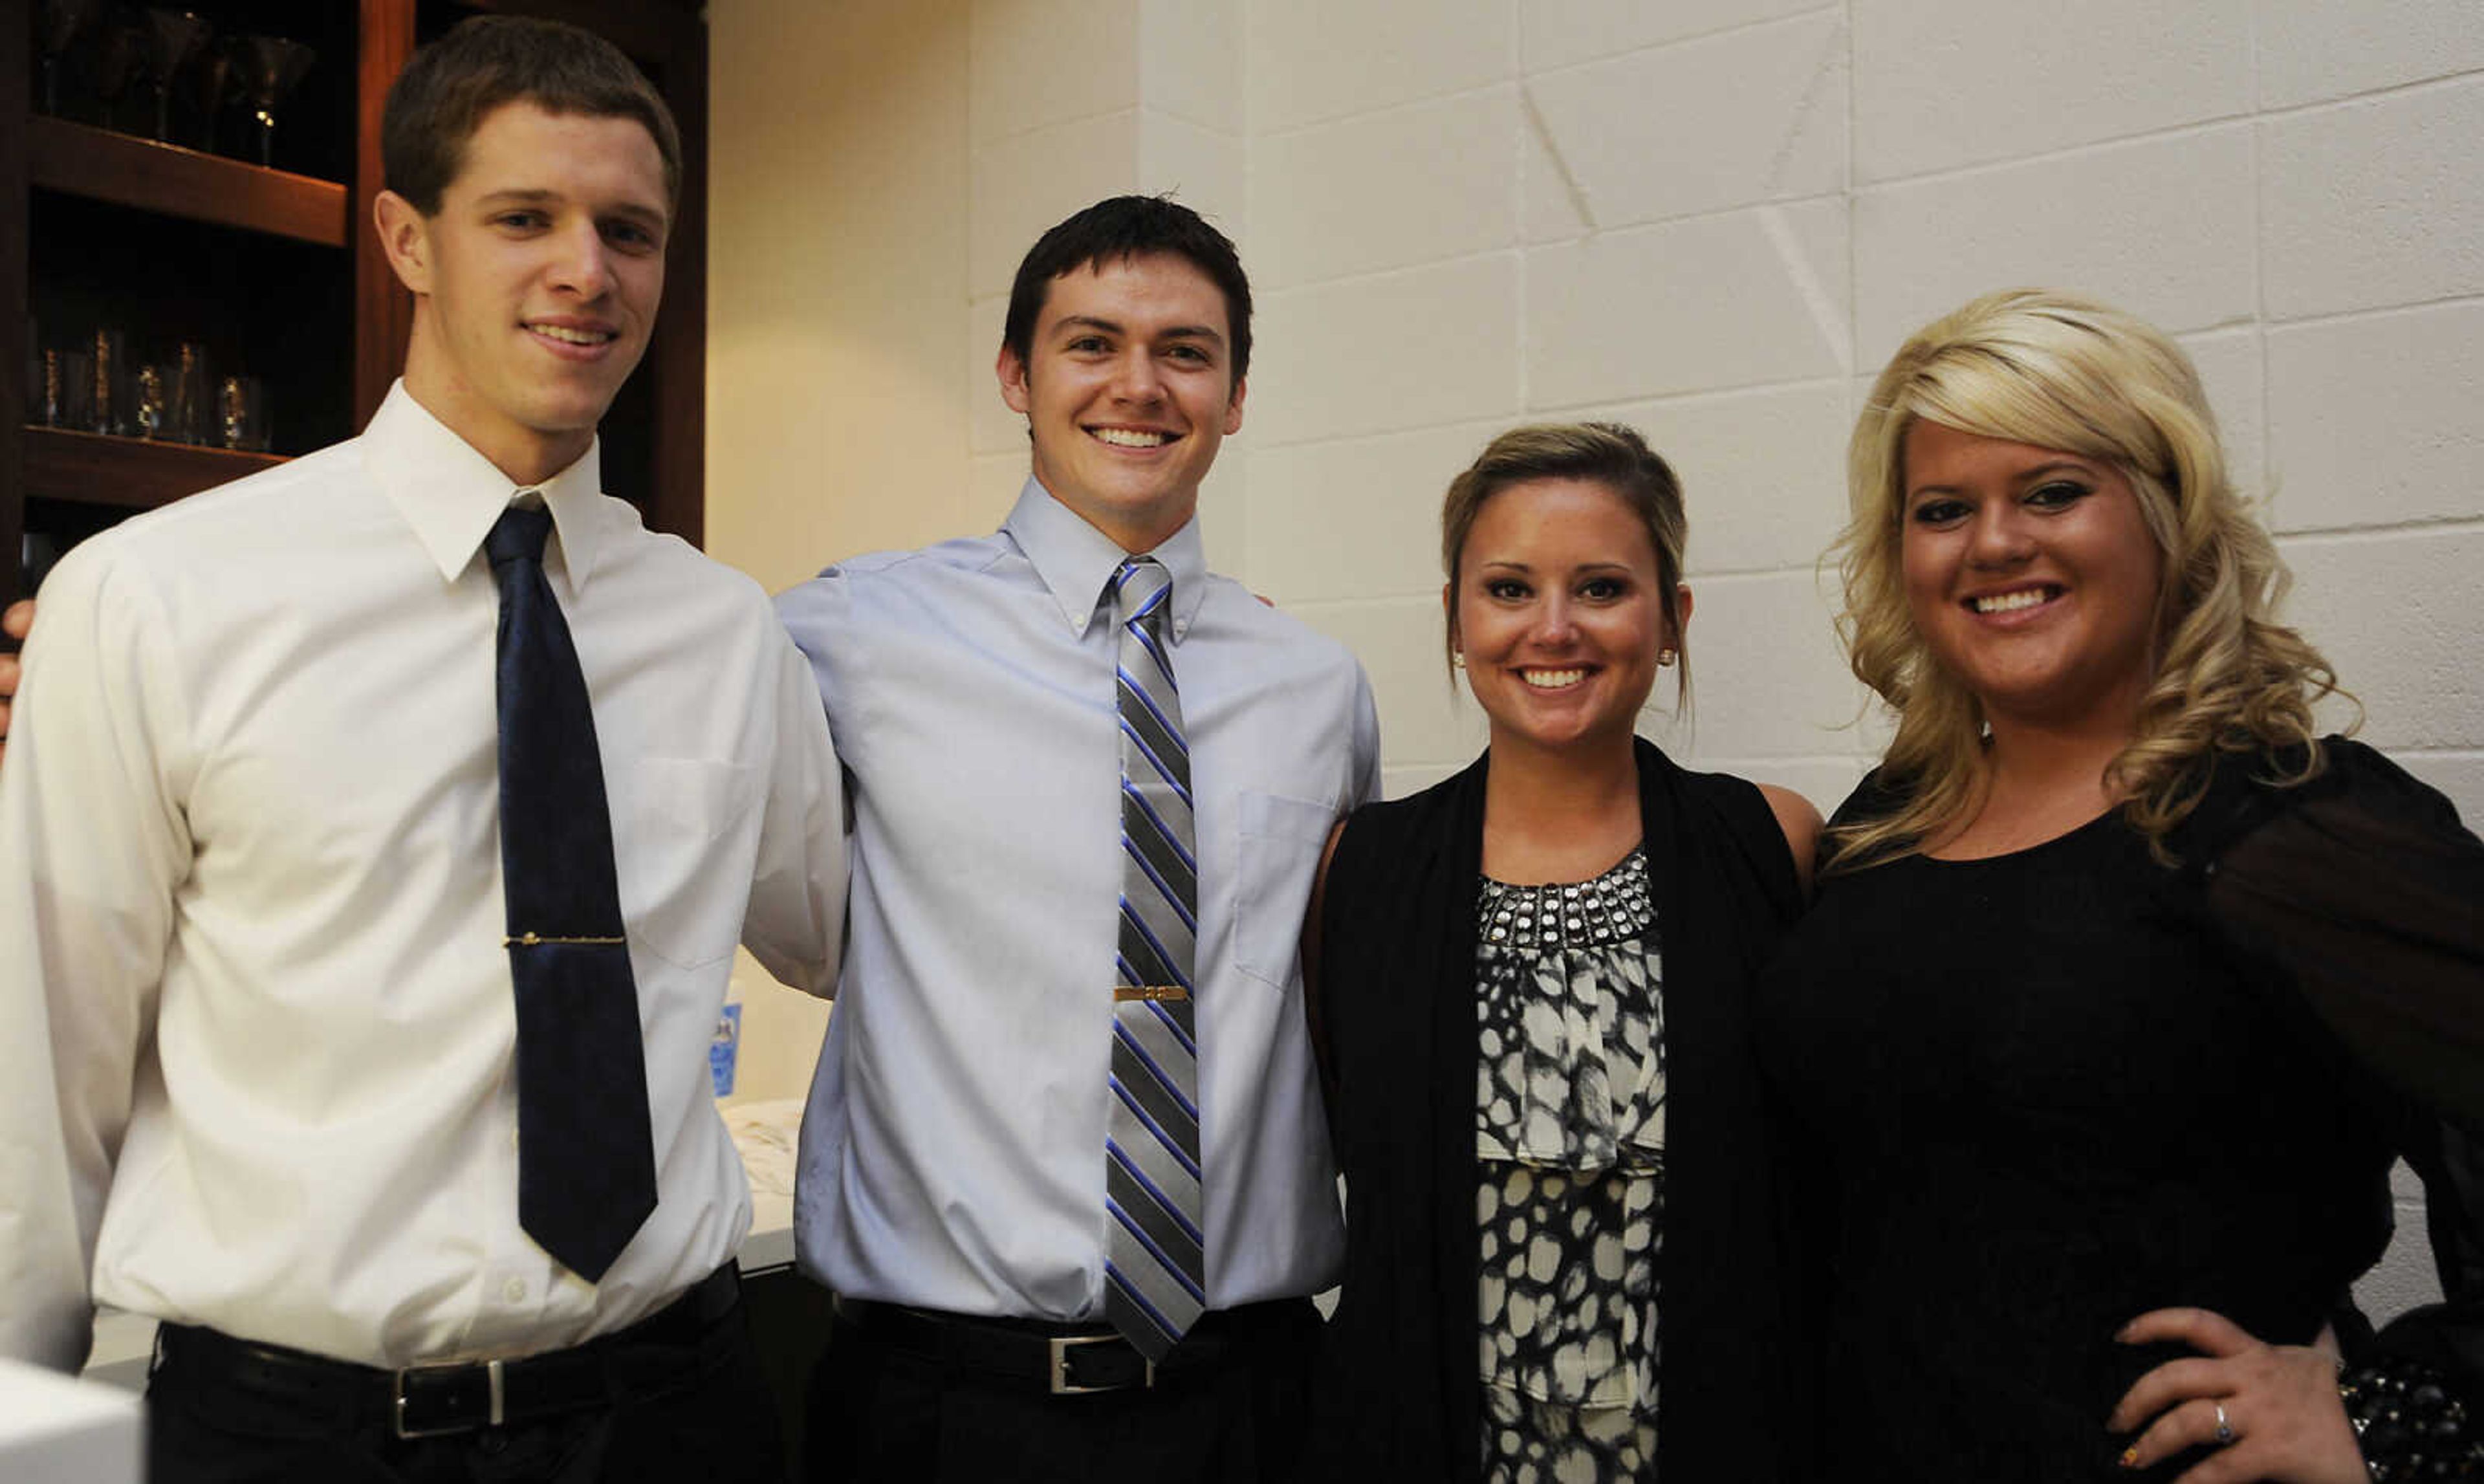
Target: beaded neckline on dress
(1613, 906)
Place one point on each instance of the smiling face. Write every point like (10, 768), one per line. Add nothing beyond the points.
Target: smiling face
(536, 281)
(1128, 391)
(2032, 576)
(1560, 614)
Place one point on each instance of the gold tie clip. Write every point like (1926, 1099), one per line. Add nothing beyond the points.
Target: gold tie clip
(539, 939)
(1158, 992)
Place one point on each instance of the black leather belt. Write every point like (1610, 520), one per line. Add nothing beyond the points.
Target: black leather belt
(429, 1401)
(1063, 1359)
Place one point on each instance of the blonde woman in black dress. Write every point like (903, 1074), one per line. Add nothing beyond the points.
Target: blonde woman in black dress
(2123, 986)
(1530, 998)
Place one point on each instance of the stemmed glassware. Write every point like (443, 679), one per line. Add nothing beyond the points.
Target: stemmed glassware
(60, 20)
(214, 72)
(115, 57)
(172, 37)
(269, 66)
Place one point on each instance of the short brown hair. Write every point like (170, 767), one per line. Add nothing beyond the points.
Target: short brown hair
(1603, 453)
(1123, 228)
(450, 86)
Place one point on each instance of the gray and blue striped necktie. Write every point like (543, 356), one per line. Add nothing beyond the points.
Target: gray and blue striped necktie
(1155, 1253)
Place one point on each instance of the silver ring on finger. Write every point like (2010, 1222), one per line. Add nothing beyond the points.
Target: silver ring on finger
(2225, 1433)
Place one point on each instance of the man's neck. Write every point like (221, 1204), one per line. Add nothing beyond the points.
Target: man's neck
(1135, 533)
(523, 455)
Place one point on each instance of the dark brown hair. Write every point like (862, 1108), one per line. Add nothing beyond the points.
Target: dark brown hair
(450, 86)
(1115, 229)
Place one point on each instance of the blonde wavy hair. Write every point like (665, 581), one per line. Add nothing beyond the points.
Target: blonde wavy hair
(2049, 369)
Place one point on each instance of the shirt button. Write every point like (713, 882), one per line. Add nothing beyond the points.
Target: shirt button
(514, 1290)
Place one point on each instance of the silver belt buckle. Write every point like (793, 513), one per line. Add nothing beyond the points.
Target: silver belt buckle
(1060, 1343)
(397, 1412)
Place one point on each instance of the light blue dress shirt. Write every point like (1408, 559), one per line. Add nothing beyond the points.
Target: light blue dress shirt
(953, 1151)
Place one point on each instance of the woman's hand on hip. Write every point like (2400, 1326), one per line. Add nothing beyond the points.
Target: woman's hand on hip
(2271, 1411)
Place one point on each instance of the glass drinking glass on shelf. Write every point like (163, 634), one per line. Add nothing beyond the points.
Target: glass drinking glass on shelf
(58, 23)
(152, 414)
(108, 384)
(241, 403)
(173, 38)
(77, 390)
(47, 403)
(189, 395)
(269, 67)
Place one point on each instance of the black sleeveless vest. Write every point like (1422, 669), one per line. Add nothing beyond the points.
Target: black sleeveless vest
(1397, 1394)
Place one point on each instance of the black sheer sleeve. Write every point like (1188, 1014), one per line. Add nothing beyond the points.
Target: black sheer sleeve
(2363, 893)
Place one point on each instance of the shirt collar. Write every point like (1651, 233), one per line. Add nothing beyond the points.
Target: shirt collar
(1074, 559)
(451, 493)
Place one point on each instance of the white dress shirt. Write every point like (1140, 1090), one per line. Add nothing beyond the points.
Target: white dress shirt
(953, 1151)
(255, 1020)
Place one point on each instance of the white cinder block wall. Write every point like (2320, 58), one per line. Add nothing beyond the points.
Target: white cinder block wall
(1715, 219)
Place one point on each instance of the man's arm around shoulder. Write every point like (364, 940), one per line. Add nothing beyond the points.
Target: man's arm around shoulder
(795, 922)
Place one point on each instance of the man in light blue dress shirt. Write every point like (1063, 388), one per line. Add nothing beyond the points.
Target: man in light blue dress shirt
(951, 1182)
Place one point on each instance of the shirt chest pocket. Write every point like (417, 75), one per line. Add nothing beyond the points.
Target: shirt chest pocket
(685, 878)
(1279, 844)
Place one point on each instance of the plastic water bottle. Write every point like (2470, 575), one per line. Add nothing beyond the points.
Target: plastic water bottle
(725, 1049)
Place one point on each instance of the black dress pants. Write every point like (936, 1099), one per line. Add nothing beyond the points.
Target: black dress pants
(880, 1414)
(714, 1424)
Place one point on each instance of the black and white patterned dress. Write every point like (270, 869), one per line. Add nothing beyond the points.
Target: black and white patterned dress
(1569, 1137)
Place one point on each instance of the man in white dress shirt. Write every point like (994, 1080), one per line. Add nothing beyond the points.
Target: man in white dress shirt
(257, 1044)
(954, 1188)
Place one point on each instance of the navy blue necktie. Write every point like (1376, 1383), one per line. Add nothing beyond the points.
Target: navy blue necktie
(587, 1162)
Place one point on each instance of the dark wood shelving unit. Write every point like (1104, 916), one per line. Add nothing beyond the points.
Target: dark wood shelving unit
(90, 468)
(79, 159)
(281, 270)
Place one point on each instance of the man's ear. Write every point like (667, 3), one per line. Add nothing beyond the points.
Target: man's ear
(1233, 407)
(406, 237)
(1010, 369)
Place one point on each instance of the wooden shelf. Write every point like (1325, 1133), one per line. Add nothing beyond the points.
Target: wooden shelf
(82, 160)
(90, 468)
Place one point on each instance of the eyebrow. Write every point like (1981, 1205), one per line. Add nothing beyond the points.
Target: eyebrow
(2074, 466)
(515, 196)
(1082, 322)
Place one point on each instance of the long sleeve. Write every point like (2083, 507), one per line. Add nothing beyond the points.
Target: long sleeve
(796, 926)
(93, 848)
(2362, 891)
(1365, 786)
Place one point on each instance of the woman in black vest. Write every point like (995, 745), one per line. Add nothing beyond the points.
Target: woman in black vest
(1530, 998)
(2123, 986)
